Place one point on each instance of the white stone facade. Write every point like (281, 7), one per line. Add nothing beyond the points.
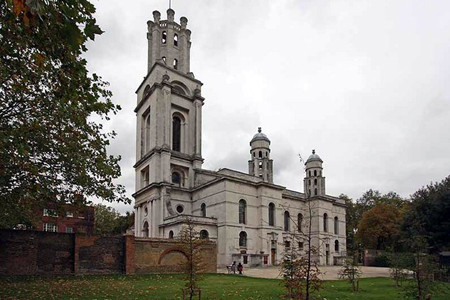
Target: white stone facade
(244, 213)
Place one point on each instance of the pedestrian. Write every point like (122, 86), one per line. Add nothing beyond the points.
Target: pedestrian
(240, 268)
(233, 267)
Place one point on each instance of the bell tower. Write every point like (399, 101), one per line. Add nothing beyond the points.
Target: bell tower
(169, 125)
(314, 182)
(260, 164)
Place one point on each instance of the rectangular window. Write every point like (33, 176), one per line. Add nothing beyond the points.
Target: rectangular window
(69, 214)
(69, 229)
(50, 227)
(50, 213)
(81, 214)
(300, 246)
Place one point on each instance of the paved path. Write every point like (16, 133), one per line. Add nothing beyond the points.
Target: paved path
(330, 272)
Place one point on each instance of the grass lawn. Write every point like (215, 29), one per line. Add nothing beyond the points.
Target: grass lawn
(214, 286)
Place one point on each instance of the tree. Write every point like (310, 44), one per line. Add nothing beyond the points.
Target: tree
(52, 150)
(193, 267)
(351, 272)
(110, 221)
(429, 215)
(379, 227)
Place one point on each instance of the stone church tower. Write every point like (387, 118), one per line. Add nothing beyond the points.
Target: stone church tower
(169, 114)
(260, 164)
(314, 182)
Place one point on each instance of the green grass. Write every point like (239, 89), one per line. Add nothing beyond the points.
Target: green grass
(214, 286)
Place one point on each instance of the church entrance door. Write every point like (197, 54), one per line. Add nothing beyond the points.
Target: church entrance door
(273, 254)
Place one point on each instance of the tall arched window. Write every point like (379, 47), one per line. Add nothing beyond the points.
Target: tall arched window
(242, 239)
(315, 172)
(336, 245)
(203, 209)
(204, 235)
(315, 181)
(175, 40)
(242, 211)
(164, 37)
(299, 222)
(315, 192)
(286, 221)
(260, 154)
(176, 178)
(176, 133)
(171, 234)
(147, 134)
(271, 214)
(175, 64)
(145, 230)
(336, 225)
(325, 222)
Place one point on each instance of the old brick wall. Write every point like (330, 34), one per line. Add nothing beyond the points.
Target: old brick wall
(166, 256)
(99, 254)
(36, 252)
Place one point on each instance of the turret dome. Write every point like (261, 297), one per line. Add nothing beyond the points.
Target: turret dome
(314, 157)
(260, 137)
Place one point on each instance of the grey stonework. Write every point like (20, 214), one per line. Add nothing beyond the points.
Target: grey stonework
(171, 184)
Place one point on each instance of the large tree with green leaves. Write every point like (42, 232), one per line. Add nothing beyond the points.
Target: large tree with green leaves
(52, 150)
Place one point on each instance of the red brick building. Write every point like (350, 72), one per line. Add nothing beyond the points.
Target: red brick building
(75, 220)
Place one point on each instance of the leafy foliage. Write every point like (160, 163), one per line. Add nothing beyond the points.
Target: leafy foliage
(52, 150)
(110, 221)
(351, 272)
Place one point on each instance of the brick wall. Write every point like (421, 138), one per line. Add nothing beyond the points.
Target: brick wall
(37, 252)
(34, 252)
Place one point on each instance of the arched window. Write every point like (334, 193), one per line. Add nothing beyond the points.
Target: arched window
(145, 230)
(325, 222)
(164, 37)
(309, 181)
(204, 235)
(164, 59)
(176, 178)
(175, 64)
(336, 225)
(260, 164)
(299, 222)
(176, 133)
(315, 172)
(243, 239)
(203, 209)
(171, 234)
(315, 192)
(286, 221)
(271, 214)
(267, 154)
(146, 91)
(147, 133)
(242, 211)
(254, 154)
(175, 40)
(309, 173)
(315, 181)
(336, 245)
(260, 154)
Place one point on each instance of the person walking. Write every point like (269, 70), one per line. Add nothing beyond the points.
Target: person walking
(240, 268)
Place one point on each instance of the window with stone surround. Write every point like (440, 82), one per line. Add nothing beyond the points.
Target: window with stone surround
(242, 211)
(243, 239)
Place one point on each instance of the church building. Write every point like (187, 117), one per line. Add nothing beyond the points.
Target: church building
(251, 218)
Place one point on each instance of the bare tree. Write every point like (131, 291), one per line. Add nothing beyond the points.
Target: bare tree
(194, 265)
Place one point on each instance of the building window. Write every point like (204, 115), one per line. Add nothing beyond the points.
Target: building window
(69, 214)
(336, 246)
(287, 244)
(260, 165)
(147, 133)
(245, 258)
(175, 40)
(49, 213)
(50, 227)
(180, 209)
(171, 234)
(204, 235)
(164, 37)
(336, 225)
(69, 229)
(176, 178)
(145, 211)
(315, 181)
(260, 154)
(315, 192)
(299, 222)
(243, 239)
(164, 59)
(145, 230)
(286, 221)
(175, 64)
(300, 246)
(271, 214)
(315, 172)
(242, 211)
(325, 222)
(203, 209)
(176, 133)
(81, 214)
(145, 177)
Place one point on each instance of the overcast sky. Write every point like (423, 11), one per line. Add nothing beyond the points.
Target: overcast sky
(365, 83)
